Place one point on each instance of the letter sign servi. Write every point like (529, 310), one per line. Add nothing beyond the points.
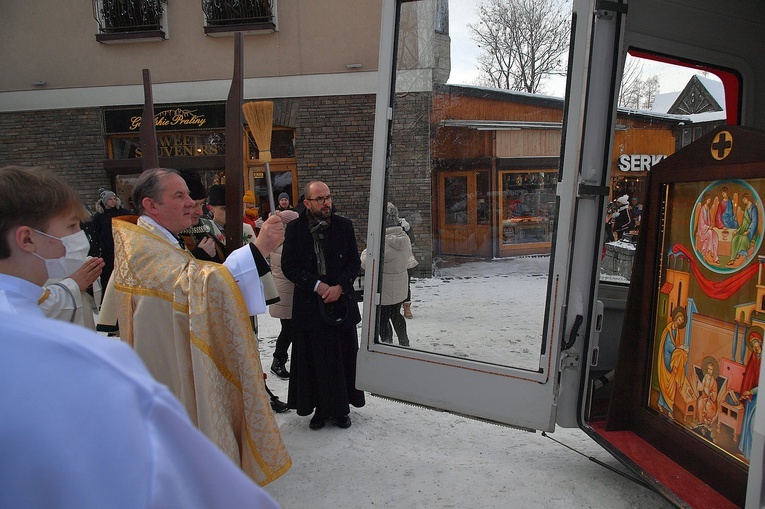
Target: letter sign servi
(639, 162)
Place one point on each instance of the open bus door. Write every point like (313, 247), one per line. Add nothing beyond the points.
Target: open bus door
(554, 384)
(529, 392)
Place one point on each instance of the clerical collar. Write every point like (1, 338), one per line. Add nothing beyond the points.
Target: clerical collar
(172, 238)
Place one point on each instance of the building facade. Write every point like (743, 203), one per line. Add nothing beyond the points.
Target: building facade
(71, 94)
(473, 170)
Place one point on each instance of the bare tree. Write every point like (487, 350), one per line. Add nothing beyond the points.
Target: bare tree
(637, 92)
(651, 89)
(523, 42)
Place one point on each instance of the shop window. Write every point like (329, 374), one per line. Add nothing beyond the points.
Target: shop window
(455, 200)
(282, 144)
(528, 206)
(482, 195)
(283, 180)
(170, 145)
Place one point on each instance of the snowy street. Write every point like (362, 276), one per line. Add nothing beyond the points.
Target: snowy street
(399, 455)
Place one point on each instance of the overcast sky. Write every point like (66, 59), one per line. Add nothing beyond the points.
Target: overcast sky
(465, 50)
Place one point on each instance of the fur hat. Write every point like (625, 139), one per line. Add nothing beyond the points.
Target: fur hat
(283, 195)
(623, 200)
(249, 197)
(391, 216)
(105, 194)
(194, 183)
(216, 195)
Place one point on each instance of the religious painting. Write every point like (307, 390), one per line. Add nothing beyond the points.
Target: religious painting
(709, 319)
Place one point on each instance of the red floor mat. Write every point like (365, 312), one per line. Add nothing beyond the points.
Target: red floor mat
(682, 483)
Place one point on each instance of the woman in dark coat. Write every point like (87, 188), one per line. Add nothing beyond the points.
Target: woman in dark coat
(108, 207)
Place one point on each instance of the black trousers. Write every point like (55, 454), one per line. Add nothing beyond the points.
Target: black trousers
(391, 314)
(284, 340)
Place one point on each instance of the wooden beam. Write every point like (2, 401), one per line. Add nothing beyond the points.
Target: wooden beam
(234, 152)
(148, 133)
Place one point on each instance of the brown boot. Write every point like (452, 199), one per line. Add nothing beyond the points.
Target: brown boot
(407, 310)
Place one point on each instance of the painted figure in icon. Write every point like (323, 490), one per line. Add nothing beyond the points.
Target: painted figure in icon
(725, 216)
(708, 390)
(749, 392)
(706, 237)
(673, 355)
(746, 233)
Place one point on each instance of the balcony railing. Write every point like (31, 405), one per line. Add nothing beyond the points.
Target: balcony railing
(239, 15)
(119, 20)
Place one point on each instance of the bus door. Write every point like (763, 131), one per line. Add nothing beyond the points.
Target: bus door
(522, 364)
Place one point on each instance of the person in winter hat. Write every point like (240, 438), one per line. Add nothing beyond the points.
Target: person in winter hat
(623, 222)
(282, 309)
(203, 239)
(250, 208)
(397, 258)
(283, 202)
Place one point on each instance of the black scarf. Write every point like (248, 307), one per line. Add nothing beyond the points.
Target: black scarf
(336, 312)
(317, 229)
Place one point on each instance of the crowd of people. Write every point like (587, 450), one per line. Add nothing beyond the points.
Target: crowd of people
(176, 413)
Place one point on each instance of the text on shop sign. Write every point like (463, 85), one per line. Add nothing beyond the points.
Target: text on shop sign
(639, 162)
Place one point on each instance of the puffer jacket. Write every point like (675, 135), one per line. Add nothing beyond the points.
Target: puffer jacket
(285, 287)
(397, 258)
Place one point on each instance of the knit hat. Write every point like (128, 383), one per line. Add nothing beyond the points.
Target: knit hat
(216, 195)
(623, 200)
(283, 195)
(249, 197)
(288, 215)
(105, 194)
(194, 183)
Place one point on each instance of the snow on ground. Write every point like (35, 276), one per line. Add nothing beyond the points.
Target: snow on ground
(461, 311)
(403, 456)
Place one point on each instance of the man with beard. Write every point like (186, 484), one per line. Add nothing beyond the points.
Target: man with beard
(321, 257)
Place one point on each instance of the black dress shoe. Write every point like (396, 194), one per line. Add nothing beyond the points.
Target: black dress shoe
(278, 369)
(278, 405)
(343, 422)
(317, 422)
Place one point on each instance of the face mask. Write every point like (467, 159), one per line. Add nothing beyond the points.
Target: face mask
(77, 247)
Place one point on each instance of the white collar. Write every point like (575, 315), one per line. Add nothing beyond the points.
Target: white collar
(151, 222)
(18, 294)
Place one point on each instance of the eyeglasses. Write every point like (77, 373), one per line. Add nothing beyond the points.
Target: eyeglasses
(320, 199)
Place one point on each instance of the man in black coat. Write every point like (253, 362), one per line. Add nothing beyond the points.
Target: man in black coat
(321, 257)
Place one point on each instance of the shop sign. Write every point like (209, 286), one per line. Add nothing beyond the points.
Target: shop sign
(173, 117)
(639, 162)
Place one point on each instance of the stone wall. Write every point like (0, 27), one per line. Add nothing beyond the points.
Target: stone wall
(333, 143)
(409, 178)
(618, 260)
(333, 139)
(68, 141)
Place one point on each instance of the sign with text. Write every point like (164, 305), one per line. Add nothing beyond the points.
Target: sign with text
(169, 117)
(639, 162)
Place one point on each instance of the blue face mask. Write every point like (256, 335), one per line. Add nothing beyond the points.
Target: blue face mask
(77, 247)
